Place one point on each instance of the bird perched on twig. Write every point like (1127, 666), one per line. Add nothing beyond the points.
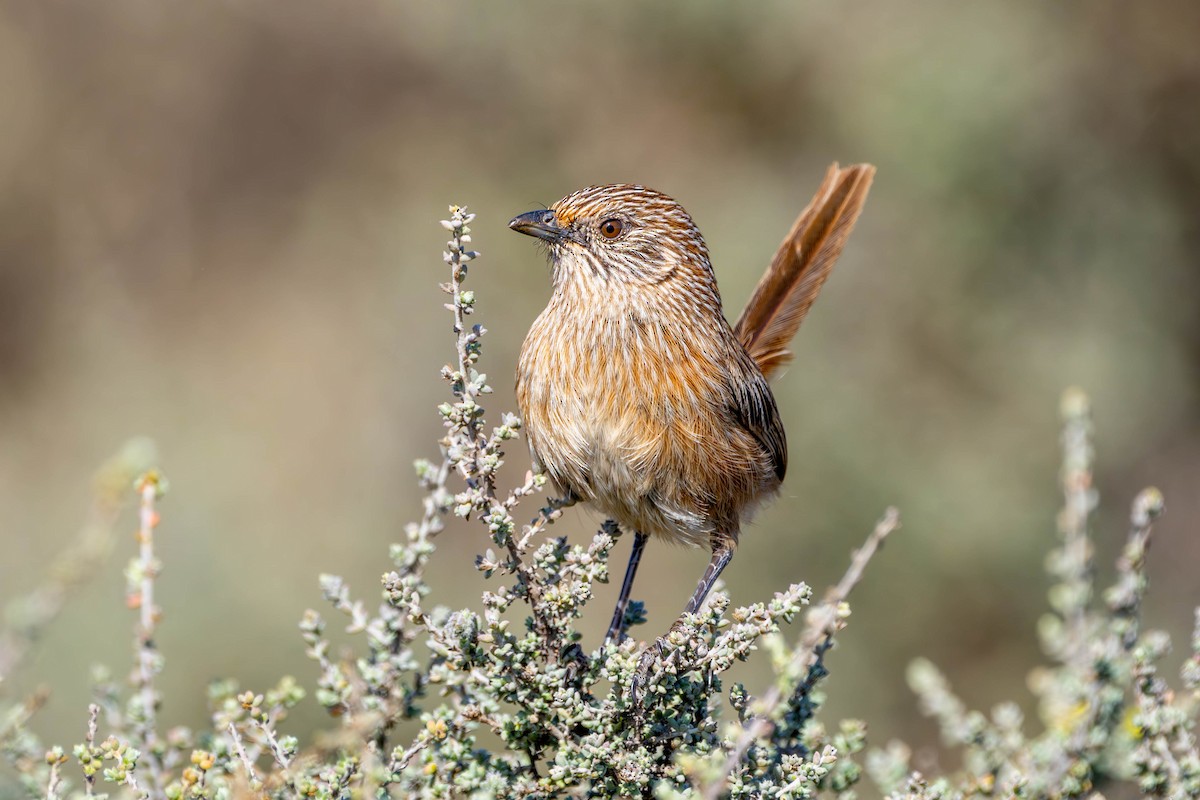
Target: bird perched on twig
(637, 395)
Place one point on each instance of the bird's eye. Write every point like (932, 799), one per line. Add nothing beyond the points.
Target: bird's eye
(611, 228)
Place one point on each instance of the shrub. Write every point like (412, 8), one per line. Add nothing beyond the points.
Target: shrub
(507, 702)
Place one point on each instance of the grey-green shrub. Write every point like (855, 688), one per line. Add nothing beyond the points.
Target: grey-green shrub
(515, 671)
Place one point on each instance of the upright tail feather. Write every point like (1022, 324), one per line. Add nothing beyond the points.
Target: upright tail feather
(791, 283)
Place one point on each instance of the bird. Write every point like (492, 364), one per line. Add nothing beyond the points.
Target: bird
(638, 397)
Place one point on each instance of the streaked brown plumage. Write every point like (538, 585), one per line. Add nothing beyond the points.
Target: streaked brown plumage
(638, 397)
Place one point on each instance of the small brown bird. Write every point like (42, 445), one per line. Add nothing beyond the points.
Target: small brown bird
(638, 396)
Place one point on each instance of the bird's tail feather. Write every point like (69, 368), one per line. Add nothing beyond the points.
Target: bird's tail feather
(791, 283)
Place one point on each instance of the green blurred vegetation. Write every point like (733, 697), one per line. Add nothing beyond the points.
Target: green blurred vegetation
(218, 228)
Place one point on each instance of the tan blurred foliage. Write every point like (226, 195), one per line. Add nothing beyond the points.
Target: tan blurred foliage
(218, 227)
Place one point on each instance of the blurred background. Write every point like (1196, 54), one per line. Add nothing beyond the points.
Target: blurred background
(219, 228)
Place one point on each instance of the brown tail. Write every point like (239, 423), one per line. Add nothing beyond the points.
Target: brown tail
(790, 285)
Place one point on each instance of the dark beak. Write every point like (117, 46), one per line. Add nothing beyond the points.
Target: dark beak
(542, 224)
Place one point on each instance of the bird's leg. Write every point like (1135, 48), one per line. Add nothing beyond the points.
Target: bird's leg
(616, 628)
(722, 555)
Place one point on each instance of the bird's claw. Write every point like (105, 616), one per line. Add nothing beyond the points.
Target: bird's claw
(646, 662)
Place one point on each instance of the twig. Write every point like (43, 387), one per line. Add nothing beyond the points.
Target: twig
(89, 778)
(1125, 597)
(1075, 566)
(476, 453)
(457, 256)
(28, 615)
(56, 759)
(281, 757)
(546, 515)
(142, 573)
(822, 622)
(1190, 670)
(132, 783)
(18, 715)
(247, 764)
(435, 502)
(397, 765)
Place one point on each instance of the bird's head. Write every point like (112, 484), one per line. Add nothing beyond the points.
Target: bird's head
(620, 235)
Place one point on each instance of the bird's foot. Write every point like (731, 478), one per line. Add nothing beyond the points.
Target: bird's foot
(646, 662)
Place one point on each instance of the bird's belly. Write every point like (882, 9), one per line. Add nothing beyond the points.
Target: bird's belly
(644, 479)
(630, 469)
(654, 455)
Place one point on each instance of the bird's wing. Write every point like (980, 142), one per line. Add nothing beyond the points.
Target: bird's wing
(754, 408)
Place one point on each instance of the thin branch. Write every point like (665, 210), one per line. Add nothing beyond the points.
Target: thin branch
(89, 779)
(27, 616)
(1074, 566)
(468, 385)
(142, 573)
(822, 622)
(397, 765)
(281, 757)
(53, 785)
(1126, 596)
(546, 515)
(247, 764)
